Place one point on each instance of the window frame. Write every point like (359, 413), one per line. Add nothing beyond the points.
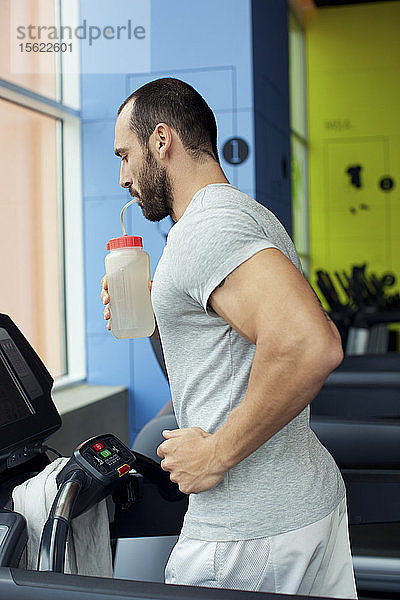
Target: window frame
(302, 137)
(70, 202)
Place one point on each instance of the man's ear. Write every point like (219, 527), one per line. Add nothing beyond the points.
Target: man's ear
(162, 139)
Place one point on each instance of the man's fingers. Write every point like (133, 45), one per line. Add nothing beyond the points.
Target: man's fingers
(171, 433)
(105, 298)
(163, 449)
(160, 451)
(163, 465)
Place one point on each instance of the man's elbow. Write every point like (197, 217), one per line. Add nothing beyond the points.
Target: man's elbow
(326, 355)
(335, 356)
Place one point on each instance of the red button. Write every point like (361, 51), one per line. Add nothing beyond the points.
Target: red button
(99, 446)
(124, 469)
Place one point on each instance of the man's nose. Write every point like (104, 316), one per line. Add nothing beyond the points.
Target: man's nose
(124, 180)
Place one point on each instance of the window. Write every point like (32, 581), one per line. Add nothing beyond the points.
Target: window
(35, 71)
(299, 143)
(32, 265)
(40, 217)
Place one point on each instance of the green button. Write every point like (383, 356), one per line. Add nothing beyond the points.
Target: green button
(105, 453)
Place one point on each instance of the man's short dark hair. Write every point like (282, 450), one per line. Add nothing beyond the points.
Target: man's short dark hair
(180, 106)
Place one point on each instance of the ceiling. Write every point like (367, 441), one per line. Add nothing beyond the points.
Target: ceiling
(322, 3)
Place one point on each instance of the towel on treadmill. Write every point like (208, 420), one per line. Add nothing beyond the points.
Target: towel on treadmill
(88, 546)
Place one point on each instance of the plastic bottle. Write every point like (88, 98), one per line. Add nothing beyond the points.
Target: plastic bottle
(128, 274)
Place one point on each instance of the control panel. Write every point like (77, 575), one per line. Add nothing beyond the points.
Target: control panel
(104, 459)
(107, 455)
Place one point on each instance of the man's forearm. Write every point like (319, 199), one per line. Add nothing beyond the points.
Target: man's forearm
(278, 390)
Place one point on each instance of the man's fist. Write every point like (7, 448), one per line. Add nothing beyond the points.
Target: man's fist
(190, 457)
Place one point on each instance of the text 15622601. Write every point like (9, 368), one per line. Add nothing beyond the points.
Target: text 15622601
(45, 47)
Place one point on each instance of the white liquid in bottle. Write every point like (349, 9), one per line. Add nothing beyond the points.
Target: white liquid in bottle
(128, 274)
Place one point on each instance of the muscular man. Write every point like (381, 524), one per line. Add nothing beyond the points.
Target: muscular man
(247, 348)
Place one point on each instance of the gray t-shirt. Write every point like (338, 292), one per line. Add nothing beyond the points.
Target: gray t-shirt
(291, 481)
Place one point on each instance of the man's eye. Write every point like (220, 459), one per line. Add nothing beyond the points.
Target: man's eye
(124, 158)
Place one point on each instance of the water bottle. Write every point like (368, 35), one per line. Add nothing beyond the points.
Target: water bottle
(128, 275)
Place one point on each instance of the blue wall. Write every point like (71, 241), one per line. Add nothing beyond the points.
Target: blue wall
(209, 45)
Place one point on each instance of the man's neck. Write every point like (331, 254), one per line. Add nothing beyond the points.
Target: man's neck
(189, 181)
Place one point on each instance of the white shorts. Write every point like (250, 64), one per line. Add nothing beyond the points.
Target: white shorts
(314, 560)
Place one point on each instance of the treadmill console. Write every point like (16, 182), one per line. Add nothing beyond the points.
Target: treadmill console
(103, 460)
(104, 457)
(27, 413)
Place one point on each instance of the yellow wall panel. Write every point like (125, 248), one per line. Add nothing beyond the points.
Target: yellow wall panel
(353, 79)
(354, 37)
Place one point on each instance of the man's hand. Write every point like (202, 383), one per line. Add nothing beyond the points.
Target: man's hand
(105, 298)
(191, 458)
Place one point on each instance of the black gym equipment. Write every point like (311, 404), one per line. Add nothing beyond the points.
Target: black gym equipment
(92, 474)
(363, 318)
(357, 416)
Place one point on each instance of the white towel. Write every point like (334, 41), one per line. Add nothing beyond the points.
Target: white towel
(88, 546)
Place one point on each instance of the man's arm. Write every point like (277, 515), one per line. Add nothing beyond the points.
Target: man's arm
(269, 302)
(297, 347)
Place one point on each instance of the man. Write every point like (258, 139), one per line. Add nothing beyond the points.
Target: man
(247, 348)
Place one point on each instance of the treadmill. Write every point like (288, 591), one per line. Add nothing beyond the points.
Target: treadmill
(356, 415)
(27, 417)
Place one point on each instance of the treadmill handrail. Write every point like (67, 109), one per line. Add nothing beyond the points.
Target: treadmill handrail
(349, 378)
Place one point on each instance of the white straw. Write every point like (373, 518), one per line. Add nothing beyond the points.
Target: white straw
(122, 213)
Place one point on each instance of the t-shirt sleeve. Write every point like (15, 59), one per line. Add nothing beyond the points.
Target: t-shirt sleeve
(212, 243)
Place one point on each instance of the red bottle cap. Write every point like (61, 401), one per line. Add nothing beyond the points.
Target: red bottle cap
(126, 241)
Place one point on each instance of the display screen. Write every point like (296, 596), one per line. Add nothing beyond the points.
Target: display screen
(14, 403)
(18, 366)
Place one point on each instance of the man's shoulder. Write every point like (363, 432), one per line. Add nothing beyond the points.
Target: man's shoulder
(219, 208)
(221, 195)
(222, 201)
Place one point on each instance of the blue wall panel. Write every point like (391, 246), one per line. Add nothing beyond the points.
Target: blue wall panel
(216, 85)
(101, 95)
(109, 360)
(193, 34)
(101, 168)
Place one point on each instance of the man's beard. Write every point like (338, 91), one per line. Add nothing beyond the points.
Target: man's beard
(155, 185)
